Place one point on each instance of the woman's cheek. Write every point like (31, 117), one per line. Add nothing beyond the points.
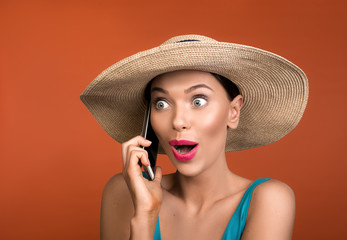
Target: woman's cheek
(213, 122)
(159, 124)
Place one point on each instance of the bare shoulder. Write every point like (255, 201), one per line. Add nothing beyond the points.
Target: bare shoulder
(115, 184)
(116, 209)
(273, 192)
(271, 212)
(116, 192)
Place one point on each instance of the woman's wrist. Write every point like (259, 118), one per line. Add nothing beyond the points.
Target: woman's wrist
(143, 225)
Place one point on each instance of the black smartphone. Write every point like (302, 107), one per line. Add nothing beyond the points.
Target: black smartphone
(148, 133)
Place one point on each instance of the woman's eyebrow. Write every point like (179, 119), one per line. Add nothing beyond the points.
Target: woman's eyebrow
(159, 90)
(192, 88)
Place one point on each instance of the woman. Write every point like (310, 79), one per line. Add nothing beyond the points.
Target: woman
(198, 87)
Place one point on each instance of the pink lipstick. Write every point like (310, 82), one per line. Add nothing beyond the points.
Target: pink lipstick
(184, 150)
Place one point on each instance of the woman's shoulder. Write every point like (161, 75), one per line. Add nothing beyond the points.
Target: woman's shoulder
(274, 202)
(273, 192)
(116, 186)
(116, 209)
(272, 195)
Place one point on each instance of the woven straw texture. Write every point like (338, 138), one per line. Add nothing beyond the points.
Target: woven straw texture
(275, 91)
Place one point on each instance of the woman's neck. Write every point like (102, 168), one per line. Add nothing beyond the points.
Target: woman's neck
(201, 191)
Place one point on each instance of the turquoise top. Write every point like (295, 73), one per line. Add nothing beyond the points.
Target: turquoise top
(237, 222)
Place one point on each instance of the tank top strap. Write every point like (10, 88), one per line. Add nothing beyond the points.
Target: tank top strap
(144, 175)
(237, 222)
(157, 235)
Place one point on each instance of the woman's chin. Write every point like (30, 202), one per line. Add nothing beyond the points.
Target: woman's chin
(188, 170)
(188, 167)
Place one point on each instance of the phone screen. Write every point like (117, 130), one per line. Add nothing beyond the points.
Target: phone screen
(148, 133)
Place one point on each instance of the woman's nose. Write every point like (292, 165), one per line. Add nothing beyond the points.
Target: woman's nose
(180, 119)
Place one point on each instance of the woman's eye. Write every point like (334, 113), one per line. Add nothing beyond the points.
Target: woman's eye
(161, 104)
(198, 102)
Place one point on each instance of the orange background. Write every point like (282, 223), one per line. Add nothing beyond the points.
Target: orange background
(55, 158)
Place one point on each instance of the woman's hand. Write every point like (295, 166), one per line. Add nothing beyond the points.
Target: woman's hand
(146, 195)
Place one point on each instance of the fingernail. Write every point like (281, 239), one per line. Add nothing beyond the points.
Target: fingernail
(148, 141)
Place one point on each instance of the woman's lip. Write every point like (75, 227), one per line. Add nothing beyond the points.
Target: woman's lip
(182, 142)
(184, 157)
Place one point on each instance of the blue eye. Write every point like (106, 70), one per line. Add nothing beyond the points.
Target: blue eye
(161, 104)
(198, 102)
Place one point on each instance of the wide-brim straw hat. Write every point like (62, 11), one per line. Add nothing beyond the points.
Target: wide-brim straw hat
(275, 91)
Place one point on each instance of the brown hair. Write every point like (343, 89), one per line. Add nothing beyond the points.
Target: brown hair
(228, 85)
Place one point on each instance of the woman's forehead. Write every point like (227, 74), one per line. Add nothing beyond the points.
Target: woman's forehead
(185, 78)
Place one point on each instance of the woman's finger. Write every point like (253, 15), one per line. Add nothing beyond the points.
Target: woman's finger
(139, 141)
(136, 141)
(133, 168)
(132, 148)
(138, 155)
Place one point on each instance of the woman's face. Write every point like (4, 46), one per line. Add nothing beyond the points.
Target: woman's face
(190, 114)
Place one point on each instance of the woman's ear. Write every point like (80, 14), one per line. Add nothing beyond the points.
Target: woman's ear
(234, 111)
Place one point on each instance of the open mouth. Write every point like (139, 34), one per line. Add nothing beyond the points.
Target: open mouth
(183, 149)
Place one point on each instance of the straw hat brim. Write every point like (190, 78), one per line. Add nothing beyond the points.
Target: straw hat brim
(275, 91)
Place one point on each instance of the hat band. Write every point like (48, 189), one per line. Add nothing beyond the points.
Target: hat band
(188, 40)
